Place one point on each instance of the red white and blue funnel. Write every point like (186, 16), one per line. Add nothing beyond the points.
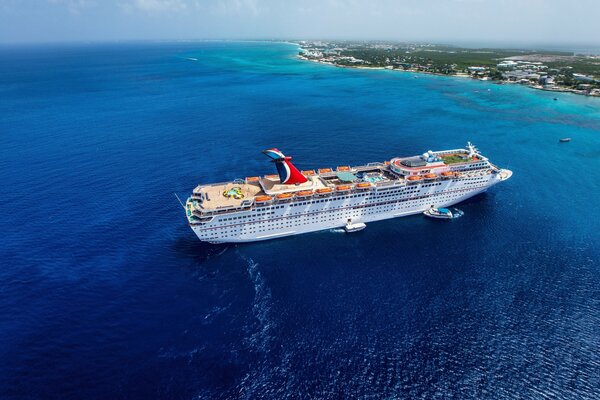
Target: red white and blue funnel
(288, 174)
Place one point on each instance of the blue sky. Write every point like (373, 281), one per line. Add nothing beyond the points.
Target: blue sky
(447, 21)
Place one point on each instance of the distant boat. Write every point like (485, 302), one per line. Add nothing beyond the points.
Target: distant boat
(564, 140)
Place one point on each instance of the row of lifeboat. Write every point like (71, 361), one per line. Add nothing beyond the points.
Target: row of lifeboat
(329, 170)
(310, 172)
(302, 194)
(431, 176)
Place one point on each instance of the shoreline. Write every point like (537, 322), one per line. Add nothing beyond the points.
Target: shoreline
(461, 75)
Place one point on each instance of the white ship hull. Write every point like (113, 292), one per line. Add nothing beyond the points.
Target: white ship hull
(323, 213)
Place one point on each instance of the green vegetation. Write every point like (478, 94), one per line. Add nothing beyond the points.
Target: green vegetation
(453, 159)
(581, 65)
(459, 59)
(550, 70)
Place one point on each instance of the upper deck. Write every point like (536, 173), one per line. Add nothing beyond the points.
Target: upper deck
(226, 195)
(439, 161)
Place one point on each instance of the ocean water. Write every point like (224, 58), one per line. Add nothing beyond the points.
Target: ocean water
(106, 293)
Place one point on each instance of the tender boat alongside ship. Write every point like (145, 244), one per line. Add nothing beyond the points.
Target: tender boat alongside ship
(354, 227)
(295, 202)
(443, 213)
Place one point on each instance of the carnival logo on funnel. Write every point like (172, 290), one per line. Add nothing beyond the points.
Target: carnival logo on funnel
(288, 173)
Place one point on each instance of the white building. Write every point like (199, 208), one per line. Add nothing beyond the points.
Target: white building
(507, 65)
(583, 78)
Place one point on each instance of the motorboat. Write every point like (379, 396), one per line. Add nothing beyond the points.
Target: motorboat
(564, 140)
(443, 213)
(354, 227)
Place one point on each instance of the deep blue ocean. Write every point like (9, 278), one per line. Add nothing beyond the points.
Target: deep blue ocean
(105, 292)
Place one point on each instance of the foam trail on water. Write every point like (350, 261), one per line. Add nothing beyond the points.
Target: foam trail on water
(222, 251)
(271, 369)
(261, 307)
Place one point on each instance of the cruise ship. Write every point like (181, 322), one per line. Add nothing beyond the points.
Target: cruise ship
(292, 202)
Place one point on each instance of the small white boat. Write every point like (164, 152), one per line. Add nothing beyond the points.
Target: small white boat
(443, 213)
(564, 140)
(354, 227)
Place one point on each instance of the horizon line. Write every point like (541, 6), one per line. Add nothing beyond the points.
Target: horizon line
(508, 45)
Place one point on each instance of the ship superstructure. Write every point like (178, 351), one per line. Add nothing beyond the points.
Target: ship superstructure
(294, 202)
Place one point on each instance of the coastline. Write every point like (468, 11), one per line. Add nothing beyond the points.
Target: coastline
(462, 75)
(459, 75)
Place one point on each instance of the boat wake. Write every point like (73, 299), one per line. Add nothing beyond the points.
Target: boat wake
(261, 309)
(271, 364)
(457, 213)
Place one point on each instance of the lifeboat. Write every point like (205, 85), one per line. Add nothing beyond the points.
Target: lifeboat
(343, 188)
(343, 168)
(308, 173)
(262, 199)
(430, 176)
(447, 174)
(304, 193)
(414, 178)
(324, 191)
(386, 162)
(284, 196)
(364, 185)
(252, 179)
(325, 170)
(274, 176)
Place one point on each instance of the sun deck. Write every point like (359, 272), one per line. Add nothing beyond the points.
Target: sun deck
(456, 158)
(227, 195)
(438, 161)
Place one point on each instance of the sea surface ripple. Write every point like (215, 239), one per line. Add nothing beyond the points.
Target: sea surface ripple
(106, 293)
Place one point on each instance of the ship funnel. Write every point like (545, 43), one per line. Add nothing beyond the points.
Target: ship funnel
(288, 173)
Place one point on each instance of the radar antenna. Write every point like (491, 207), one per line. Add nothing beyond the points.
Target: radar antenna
(472, 149)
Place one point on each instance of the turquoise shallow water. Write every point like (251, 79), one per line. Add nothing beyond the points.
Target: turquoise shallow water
(106, 293)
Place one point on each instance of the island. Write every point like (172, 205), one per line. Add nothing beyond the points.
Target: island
(557, 71)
